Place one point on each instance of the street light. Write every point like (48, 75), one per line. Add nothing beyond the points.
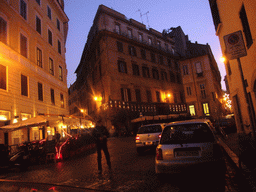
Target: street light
(222, 59)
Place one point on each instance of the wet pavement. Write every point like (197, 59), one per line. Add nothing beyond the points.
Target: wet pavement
(130, 172)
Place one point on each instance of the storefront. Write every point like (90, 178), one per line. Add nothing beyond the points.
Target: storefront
(41, 127)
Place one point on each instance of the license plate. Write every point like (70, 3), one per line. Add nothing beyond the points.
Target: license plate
(149, 143)
(186, 153)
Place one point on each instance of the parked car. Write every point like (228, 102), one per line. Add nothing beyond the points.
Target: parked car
(188, 144)
(226, 126)
(148, 136)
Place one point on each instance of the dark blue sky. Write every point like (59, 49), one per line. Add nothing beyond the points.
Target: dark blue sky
(194, 17)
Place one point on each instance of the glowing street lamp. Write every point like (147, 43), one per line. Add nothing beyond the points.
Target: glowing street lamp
(222, 59)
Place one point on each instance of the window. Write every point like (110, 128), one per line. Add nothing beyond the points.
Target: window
(169, 62)
(145, 72)
(38, 1)
(192, 110)
(185, 70)
(38, 24)
(119, 46)
(52, 97)
(161, 59)
(158, 97)
(158, 43)
(246, 27)
(149, 96)
(202, 89)
(199, 70)
(166, 47)
(164, 75)
(143, 53)
(117, 28)
(172, 77)
(49, 12)
(59, 47)
(153, 57)
(51, 66)
(49, 37)
(60, 73)
(229, 68)
(40, 91)
(61, 100)
(188, 91)
(215, 13)
(3, 30)
(178, 77)
(140, 37)
(176, 65)
(149, 40)
(214, 96)
(155, 73)
(138, 95)
(58, 24)
(23, 45)
(129, 31)
(126, 94)
(206, 109)
(135, 69)
(23, 9)
(24, 85)
(132, 50)
(39, 57)
(122, 66)
(2, 77)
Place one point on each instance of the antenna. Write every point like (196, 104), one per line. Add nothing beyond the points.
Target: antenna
(147, 17)
(140, 15)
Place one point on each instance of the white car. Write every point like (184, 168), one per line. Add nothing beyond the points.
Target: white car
(148, 136)
(188, 144)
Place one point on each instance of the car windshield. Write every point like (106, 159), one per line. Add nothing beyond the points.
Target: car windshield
(187, 133)
(150, 129)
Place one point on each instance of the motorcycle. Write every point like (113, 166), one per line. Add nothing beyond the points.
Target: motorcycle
(18, 160)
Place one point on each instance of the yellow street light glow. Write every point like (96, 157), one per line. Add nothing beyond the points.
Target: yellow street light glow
(82, 110)
(169, 95)
(95, 98)
(222, 59)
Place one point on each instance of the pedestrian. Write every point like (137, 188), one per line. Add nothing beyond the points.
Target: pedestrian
(100, 134)
(57, 137)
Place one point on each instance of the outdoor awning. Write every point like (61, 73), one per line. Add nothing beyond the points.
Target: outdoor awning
(51, 121)
(32, 122)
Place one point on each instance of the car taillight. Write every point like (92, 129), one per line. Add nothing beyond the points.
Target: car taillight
(159, 136)
(137, 137)
(159, 154)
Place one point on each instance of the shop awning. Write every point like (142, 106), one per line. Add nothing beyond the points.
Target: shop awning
(32, 122)
(51, 121)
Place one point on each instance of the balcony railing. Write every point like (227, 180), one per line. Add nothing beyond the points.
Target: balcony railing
(147, 108)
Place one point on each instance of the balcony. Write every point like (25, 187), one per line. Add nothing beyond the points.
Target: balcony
(147, 108)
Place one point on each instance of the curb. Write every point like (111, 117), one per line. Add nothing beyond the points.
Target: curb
(245, 172)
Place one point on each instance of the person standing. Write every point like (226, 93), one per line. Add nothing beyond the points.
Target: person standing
(100, 134)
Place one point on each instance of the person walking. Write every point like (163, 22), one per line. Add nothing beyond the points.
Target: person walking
(100, 134)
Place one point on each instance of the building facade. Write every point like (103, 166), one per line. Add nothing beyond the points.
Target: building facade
(127, 66)
(33, 74)
(229, 18)
(201, 77)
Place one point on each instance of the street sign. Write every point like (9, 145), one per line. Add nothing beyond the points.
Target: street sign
(235, 47)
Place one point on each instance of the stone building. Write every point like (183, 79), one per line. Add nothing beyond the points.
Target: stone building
(127, 68)
(235, 25)
(200, 75)
(33, 74)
